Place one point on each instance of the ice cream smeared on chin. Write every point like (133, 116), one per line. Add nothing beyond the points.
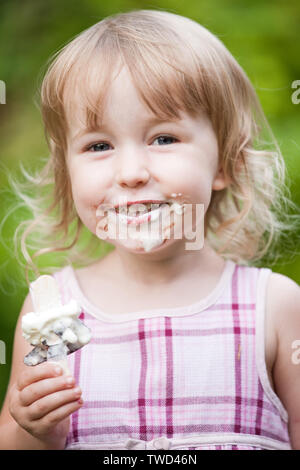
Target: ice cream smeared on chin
(144, 225)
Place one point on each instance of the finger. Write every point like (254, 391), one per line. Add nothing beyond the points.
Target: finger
(40, 389)
(45, 405)
(56, 416)
(35, 373)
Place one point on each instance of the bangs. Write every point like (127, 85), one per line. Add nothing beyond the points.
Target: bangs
(158, 70)
(176, 65)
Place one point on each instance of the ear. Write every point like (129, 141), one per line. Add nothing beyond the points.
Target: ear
(220, 181)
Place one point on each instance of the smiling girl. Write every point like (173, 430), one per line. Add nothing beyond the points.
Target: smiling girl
(191, 348)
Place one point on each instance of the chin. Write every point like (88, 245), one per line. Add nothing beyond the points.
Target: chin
(164, 250)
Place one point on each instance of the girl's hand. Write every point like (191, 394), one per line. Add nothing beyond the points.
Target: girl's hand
(42, 401)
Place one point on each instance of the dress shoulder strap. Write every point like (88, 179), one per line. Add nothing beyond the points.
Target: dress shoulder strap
(62, 278)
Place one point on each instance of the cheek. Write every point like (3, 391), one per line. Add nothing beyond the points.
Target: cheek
(87, 191)
(193, 179)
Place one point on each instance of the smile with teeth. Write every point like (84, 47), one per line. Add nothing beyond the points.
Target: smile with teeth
(137, 214)
(140, 213)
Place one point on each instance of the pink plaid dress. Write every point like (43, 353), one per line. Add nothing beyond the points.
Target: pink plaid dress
(189, 378)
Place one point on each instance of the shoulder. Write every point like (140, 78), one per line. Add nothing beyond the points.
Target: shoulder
(284, 282)
(63, 275)
(282, 303)
(282, 306)
(283, 310)
(284, 300)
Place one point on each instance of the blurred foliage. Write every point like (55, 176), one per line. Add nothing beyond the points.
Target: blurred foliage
(262, 35)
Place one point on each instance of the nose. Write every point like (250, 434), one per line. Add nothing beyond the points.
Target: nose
(132, 169)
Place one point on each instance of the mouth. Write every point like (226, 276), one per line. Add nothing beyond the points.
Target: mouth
(137, 214)
(138, 208)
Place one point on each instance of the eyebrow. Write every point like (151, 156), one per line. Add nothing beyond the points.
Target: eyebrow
(104, 128)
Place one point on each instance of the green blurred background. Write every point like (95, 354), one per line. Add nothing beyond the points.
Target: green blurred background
(262, 35)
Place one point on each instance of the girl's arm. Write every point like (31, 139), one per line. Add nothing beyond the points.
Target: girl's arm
(12, 436)
(286, 369)
(37, 380)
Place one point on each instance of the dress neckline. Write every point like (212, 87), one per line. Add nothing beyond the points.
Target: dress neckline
(196, 307)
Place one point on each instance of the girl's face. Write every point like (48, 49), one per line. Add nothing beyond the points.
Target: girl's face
(134, 157)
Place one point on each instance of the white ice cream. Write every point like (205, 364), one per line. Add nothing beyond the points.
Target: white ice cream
(152, 241)
(149, 232)
(53, 329)
(38, 327)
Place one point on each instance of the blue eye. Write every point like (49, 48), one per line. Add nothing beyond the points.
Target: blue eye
(97, 144)
(167, 137)
(163, 139)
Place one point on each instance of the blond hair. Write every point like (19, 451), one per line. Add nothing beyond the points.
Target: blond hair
(176, 64)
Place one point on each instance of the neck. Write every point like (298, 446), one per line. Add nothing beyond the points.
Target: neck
(157, 269)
